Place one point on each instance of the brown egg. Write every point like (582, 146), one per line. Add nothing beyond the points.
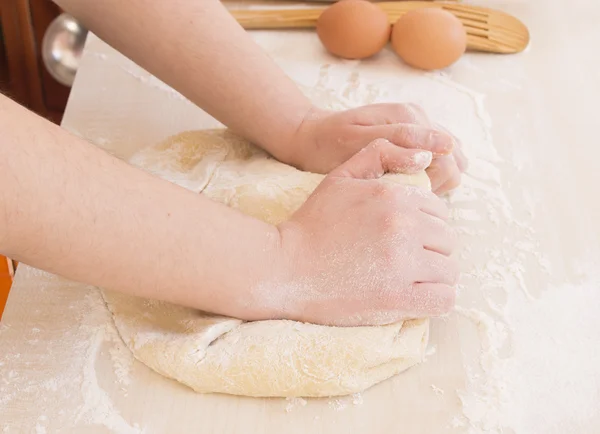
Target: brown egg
(353, 29)
(429, 38)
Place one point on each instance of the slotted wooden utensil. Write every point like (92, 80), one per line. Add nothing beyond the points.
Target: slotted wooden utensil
(488, 30)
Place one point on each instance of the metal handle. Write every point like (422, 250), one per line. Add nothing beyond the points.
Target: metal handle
(62, 47)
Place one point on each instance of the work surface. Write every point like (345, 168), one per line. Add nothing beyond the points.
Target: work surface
(519, 354)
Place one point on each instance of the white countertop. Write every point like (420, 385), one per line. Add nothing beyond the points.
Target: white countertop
(519, 354)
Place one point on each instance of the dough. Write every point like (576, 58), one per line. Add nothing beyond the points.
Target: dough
(263, 358)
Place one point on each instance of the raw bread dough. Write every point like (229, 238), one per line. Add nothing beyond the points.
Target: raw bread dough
(263, 358)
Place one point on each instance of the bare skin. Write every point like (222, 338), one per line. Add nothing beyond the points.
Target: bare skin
(403, 242)
(200, 50)
(74, 210)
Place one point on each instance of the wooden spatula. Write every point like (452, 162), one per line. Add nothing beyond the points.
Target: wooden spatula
(488, 30)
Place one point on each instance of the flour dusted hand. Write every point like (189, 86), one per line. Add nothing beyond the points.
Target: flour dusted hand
(363, 250)
(327, 139)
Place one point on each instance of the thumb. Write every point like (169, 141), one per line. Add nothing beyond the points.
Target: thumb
(380, 157)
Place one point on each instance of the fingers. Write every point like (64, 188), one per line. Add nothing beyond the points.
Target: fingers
(411, 136)
(459, 156)
(381, 157)
(437, 268)
(438, 236)
(442, 171)
(434, 299)
(452, 183)
(432, 205)
(427, 299)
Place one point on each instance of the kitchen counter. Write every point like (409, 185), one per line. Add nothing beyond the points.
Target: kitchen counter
(520, 352)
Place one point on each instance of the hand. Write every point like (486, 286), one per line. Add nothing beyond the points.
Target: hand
(445, 171)
(327, 139)
(362, 251)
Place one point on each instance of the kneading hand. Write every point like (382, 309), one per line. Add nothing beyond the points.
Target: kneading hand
(268, 107)
(364, 251)
(327, 139)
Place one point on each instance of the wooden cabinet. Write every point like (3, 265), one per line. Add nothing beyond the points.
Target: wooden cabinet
(24, 78)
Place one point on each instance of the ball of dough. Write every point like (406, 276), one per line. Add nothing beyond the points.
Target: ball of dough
(353, 29)
(429, 38)
(212, 353)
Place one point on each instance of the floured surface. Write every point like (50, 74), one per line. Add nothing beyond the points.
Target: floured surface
(518, 355)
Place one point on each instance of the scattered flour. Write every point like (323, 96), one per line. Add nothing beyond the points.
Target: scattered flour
(535, 370)
(294, 403)
(437, 390)
(357, 399)
(74, 356)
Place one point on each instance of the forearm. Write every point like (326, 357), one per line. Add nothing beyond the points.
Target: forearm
(74, 210)
(201, 51)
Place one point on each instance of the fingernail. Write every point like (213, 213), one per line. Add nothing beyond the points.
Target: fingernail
(442, 142)
(422, 159)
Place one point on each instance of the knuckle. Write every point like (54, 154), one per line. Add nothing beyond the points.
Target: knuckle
(389, 255)
(418, 113)
(398, 224)
(437, 206)
(405, 134)
(378, 144)
(389, 220)
(392, 193)
(404, 112)
(380, 190)
(413, 112)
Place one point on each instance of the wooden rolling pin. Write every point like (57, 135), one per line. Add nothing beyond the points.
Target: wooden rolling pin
(488, 30)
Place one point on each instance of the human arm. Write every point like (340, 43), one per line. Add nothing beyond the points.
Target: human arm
(201, 51)
(72, 209)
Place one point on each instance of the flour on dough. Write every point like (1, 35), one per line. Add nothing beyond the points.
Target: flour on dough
(263, 358)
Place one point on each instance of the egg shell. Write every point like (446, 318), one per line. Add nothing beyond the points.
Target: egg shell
(353, 29)
(429, 38)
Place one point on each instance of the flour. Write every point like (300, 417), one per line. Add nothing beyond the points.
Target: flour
(437, 390)
(122, 361)
(550, 364)
(346, 402)
(97, 408)
(74, 355)
(294, 403)
(534, 371)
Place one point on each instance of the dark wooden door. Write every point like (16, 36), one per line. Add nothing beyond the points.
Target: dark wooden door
(26, 80)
